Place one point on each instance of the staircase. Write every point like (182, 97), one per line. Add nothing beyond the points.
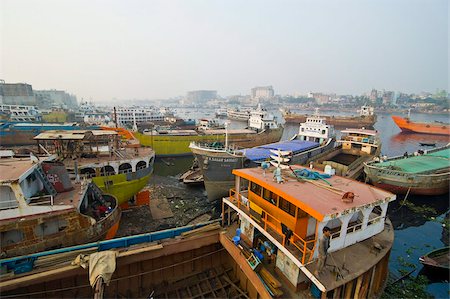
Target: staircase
(44, 179)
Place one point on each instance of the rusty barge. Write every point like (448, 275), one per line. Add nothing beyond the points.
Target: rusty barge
(228, 260)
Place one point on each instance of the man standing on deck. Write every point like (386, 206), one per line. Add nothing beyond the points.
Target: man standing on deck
(324, 244)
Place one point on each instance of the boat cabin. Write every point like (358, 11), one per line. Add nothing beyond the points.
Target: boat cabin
(315, 129)
(41, 209)
(366, 111)
(260, 119)
(97, 152)
(362, 140)
(292, 215)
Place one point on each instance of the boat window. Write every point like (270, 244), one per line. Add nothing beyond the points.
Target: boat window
(107, 170)
(270, 196)
(141, 165)
(89, 172)
(7, 198)
(355, 223)
(335, 225)
(375, 215)
(11, 237)
(125, 168)
(301, 213)
(286, 206)
(50, 227)
(255, 188)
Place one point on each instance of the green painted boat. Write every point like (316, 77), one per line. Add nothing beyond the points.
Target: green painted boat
(124, 185)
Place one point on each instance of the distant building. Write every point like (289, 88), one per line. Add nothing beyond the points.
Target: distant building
(320, 98)
(388, 97)
(201, 96)
(55, 98)
(373, 95)
(17, 94)
(263, 92)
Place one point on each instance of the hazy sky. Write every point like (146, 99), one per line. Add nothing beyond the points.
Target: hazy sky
(158, 49)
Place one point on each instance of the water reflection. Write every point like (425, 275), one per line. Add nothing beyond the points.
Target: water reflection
(416, 210)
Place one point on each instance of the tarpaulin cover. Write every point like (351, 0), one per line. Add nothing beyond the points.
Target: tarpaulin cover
(417, 164)
(263, 152)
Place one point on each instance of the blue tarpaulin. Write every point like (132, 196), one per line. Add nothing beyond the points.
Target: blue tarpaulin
(263, 152)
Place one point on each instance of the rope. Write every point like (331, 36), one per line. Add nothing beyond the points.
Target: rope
(116, 279)
(404, 200)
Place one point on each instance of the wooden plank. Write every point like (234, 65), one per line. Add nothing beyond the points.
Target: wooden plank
(236, 287)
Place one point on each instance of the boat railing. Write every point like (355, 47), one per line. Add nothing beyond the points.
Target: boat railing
(41, 200)
(232, 149)
(8, 204)
(306, 247)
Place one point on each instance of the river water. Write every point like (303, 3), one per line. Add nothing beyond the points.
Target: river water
(417, 222)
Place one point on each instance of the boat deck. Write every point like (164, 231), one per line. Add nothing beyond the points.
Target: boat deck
(341, 266)
(263, 152)
(418, 164)
(127, 153)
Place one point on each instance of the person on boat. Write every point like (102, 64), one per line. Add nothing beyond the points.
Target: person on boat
(324, 244)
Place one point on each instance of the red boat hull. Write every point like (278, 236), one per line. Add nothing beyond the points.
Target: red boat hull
(409, 126)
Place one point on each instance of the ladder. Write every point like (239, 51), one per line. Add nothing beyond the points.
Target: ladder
(44, 179)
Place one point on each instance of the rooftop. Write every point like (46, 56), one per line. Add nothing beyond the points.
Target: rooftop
(317, 198)
(72, 135)
(12, 169)
(361, 131)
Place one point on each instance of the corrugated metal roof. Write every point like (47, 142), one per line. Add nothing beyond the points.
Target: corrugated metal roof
(315, 200)
(71, 135)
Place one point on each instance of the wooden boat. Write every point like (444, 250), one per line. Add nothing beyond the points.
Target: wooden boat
(117, 166)
(366, 118)
(262, 129)
(438, 259)
(192, 177)
(427, 144)
(314, 137)
(356, 146)
(40, 208)
(408, 126)
(211, 261)
(427, 174)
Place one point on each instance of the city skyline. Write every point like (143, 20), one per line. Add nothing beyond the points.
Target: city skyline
(156, 50)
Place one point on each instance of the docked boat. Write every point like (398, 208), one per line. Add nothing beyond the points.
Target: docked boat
(40, 208)
(356, 146)
(241, 114)
(437, 260)
(366, 118)
(217, 161)
(176, 142)
(424, 174)
(120, 167)
(266, 248)
(221, 112)
(22, 133)
(21, 113)
(409, 126)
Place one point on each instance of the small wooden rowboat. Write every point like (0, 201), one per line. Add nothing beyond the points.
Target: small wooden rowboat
(427, 144)
(438, 259)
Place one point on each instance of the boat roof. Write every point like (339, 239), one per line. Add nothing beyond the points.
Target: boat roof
(11, 169)
(264, 151)
(72, 135)
(319, 202)
(360, 131)
(417, 164)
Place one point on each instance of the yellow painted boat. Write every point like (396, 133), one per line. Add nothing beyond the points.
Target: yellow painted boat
(178, 145)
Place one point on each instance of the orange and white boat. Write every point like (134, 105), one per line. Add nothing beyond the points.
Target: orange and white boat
(408, 126)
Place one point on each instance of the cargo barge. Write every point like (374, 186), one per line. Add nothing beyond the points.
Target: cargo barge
(422, 174)
(366, 118)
